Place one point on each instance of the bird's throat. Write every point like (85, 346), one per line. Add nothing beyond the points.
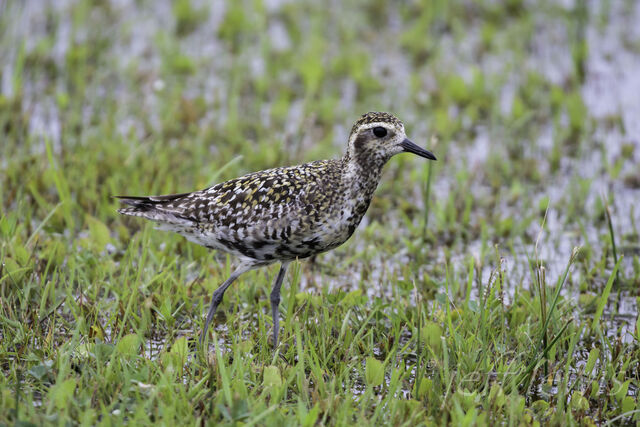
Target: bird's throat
(362, 175)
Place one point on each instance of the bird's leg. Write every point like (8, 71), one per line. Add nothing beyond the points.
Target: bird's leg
(216, 298)
(275, 301)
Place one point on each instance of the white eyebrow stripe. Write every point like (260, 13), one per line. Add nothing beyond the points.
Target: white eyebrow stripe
(385, 125)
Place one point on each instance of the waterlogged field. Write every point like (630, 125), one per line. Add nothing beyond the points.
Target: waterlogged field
(499, 284)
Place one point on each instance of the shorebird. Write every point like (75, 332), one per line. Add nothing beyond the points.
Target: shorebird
(283, 214)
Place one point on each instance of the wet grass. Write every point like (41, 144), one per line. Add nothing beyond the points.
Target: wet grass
(463, 298)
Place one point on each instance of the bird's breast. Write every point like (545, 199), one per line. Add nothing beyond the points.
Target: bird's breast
(338, 229)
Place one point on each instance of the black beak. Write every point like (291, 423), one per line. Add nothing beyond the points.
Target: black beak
(410, 147)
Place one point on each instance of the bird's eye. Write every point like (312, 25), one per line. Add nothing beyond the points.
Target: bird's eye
(379, 131)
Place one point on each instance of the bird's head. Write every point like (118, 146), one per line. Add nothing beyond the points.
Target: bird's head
(376, 137)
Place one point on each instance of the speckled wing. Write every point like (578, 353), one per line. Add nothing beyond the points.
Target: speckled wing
(273, 214)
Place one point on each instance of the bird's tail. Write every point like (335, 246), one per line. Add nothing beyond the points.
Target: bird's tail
(155, 208)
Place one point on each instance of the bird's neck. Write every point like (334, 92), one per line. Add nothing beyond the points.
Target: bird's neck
(362, 173)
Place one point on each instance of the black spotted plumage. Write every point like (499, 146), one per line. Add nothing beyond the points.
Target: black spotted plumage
(281, 214)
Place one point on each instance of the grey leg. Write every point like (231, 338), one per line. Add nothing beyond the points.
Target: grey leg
(216, 298)
(275, 301)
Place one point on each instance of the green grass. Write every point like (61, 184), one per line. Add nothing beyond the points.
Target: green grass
(461, 301)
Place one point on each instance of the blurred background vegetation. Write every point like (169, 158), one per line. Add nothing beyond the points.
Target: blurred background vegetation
(531, 108)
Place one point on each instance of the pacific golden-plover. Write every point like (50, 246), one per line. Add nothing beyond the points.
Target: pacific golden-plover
(283, 214)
